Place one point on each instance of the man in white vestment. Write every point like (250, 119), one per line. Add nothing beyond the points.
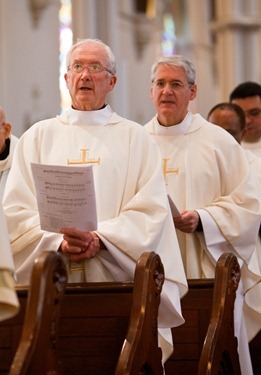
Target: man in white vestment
(7, 146)
(132, 206)
(231, 118)
(248, 96)
(209, 180)
(9, 304)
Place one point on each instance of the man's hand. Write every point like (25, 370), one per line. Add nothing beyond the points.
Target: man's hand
(187, 222)
(78, 245)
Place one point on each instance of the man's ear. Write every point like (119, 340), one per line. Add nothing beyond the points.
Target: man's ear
(8, 128)
(151, 95)
(113, 81)
(66, 79)
(193, 92)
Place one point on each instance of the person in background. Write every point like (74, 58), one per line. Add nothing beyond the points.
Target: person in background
(231, 118)
(208, 178)
(9, 304)
(132, 205)
(7, 146)
(248, 96)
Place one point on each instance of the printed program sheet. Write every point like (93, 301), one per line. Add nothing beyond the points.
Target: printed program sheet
(65, 197)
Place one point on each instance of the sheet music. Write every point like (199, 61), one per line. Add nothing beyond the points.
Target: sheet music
(174, 210)
(65, 197)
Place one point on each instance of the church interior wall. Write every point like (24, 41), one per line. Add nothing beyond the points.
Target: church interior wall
(225, 50)
(29, 63)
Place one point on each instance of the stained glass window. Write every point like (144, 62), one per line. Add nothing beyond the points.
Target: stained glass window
(66, 38)
(168, 35)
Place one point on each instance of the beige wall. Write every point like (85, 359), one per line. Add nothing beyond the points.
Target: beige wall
(29, 63)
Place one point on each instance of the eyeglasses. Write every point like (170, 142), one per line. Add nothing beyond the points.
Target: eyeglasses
(174, 85)
(252, 113)
(93, 68)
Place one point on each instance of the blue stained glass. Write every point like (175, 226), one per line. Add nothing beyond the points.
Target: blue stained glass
(168, 39)
(66, 39)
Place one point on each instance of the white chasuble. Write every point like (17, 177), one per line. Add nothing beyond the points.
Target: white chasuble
(254, 147)
(9, 304)
(213, 177)
(132, 206)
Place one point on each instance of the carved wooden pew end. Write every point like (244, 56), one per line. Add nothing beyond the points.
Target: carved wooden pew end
(36, 352)
(219, 354)
(140, 353)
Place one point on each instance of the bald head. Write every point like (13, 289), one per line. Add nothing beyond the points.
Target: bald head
(230, 117)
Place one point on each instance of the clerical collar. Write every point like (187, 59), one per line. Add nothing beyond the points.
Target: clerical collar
(99, 117)
(177, 129)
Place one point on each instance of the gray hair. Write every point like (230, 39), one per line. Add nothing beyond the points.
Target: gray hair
(176, 60)
(111, 57)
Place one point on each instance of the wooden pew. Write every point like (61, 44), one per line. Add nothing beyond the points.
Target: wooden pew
(205, 344)
(93, 325)
(140, 353)
(94, 322)
(36, 352)
(219, 354)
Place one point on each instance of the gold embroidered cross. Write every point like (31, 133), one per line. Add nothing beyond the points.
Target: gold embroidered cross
(165, 170)
(80, 269)
(83, 159)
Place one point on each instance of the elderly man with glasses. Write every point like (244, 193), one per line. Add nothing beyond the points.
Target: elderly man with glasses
(132, 207)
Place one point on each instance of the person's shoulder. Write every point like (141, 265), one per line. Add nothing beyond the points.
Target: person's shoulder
(149, 124)
(44, 123)
(200, 125)
(252, 157)
(210, 127)
(38, 129)
(116, 118)
(200, 121)
(126, 122)
(13, 138)
(215, 135)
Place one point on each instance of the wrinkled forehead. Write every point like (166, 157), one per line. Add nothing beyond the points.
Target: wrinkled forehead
(249, 102)
(89, 52)
(171, 72)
